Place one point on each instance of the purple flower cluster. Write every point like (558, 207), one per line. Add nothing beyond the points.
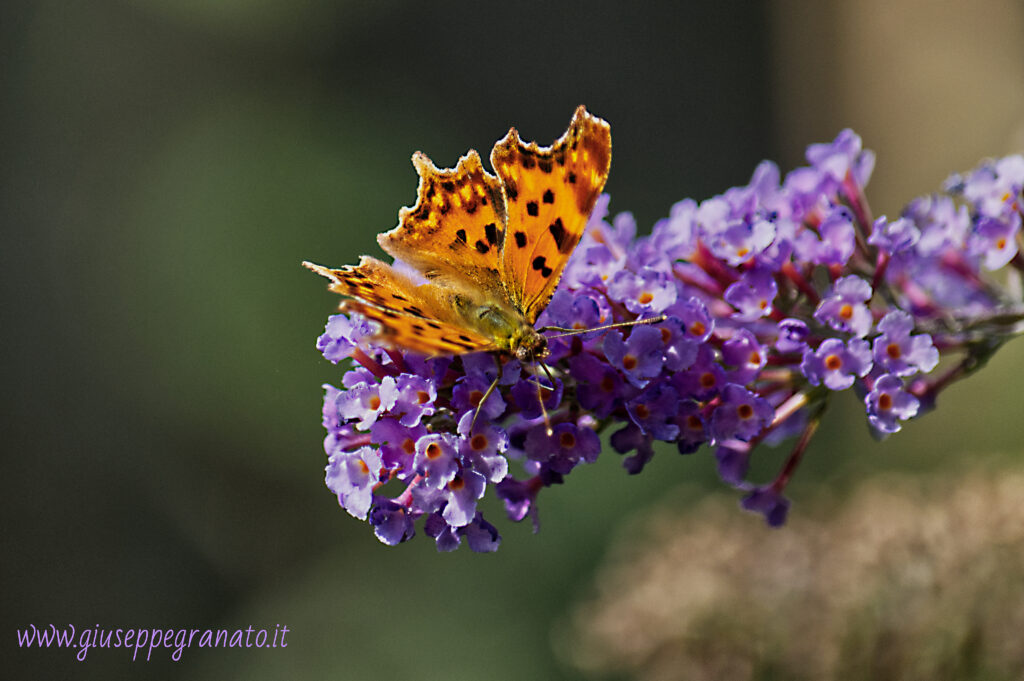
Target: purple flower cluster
(774, 295)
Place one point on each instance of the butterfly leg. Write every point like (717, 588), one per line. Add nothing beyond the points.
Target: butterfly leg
(487, 393)
(540, 395)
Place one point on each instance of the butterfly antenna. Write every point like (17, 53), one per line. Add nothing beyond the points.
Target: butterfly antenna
(577, 332)
(487, 393)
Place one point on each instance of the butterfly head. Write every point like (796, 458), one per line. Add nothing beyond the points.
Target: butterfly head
(527, 344)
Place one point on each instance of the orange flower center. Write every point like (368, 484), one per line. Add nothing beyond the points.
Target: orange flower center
(833, 363)
(846, 311)
(422, 396)
(567, 440)
(433, 450)
(885, 402)
(642, 411)
(409, 447)
(645, 297)
(475, 397)
(893, 350)
(375, 403)
(478, 443)
(629, 362)
(745, 411)
(698, 328)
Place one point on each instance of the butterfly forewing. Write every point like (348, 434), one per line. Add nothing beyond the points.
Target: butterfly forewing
(454, 232)
(549, 192)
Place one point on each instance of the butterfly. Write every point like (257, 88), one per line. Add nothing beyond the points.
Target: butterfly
(486, 252)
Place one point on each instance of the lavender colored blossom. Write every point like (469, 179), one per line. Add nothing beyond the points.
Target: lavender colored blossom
(567, 446)
(341, 336)
(845, 309)
(733, 462)
(792, 335)
(745, 357)
(411, 396)
(351, 476)
(633, 439)
(768, 502)
(995, 240)
(753, 294)
(391, 522)
(837, 237)
(888, 403)
(647, 293)
(639, 357)
(741, 415)
(654, 410)
(898, 352)
(437, 459)
(770, 293)
(895, 236)
(837, 364)
(740, 240)
(605, 385)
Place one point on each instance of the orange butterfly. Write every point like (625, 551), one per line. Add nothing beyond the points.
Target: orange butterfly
(492, 249)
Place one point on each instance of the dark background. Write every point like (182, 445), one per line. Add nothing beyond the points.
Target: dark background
(166, 166)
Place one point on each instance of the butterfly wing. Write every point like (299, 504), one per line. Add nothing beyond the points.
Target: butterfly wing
(549, 194)
(417, 318)
(454, 232)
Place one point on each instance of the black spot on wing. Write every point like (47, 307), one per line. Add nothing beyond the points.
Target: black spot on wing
(549, 196)
(560, 236)
(461, 235)
(481, 247)
(538, 262)
(413, 310)
(491, 231)
(532, 208)
(520, 239)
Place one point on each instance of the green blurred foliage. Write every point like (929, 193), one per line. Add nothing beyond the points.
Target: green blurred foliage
(166, 168)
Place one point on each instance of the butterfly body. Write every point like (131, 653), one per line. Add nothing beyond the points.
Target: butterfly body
(481, 254)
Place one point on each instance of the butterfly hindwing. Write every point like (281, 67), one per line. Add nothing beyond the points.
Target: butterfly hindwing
(455, 230)
(549, 194)
(426, 336)
(419, 318)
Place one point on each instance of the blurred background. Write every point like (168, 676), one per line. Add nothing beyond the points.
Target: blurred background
(167, 165)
